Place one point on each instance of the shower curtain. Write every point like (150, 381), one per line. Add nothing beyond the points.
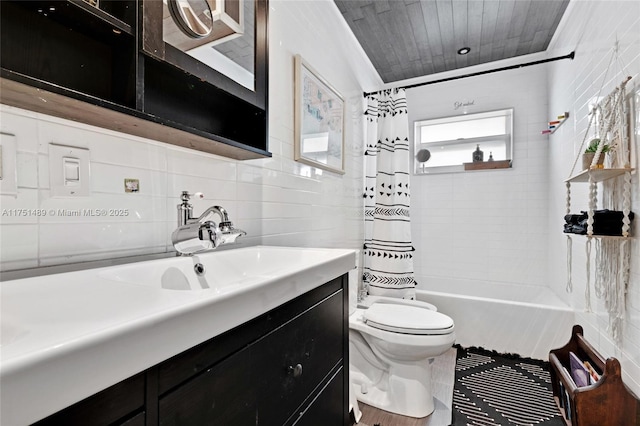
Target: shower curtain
(388, 251)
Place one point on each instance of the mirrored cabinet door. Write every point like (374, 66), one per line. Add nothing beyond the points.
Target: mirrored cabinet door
(220, 34)
(223, 42)
(204, 66)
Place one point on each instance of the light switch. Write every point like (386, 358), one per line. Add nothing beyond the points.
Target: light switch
(69, 172)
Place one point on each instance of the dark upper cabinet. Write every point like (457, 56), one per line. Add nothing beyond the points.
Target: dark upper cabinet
(116, 64)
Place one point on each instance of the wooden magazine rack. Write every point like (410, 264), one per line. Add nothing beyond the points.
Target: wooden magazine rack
(606, 402)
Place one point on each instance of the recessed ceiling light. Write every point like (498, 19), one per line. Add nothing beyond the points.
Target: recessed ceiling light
(464, 50)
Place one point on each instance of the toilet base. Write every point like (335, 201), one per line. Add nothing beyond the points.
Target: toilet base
(400, 390)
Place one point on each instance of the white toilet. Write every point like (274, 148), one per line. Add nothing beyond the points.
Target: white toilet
(391, 345)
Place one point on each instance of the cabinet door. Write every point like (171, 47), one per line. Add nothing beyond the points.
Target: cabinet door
(327, 407)
(223, 395)
(291, 362)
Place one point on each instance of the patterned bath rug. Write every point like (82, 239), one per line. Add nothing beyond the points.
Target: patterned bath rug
(502, 390)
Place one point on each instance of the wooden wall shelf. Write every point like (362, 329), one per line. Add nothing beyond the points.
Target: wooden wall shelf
(555, 124)
(607, 402)
(598, 175)
(488, 165)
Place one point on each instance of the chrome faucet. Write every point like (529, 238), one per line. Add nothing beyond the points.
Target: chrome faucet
(196, 235)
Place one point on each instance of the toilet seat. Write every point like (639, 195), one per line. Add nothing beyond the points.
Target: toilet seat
(407, 319)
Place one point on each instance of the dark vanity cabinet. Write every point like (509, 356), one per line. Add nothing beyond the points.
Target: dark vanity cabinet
(286, 367)
(105, 63)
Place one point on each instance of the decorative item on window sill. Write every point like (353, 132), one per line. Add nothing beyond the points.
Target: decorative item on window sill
(479, 163)
(555, 124)
(477, 155)
(422, 156)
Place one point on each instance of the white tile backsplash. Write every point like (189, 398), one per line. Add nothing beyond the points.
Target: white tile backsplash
(19, 244)
(22, 208)
(82, 241)
(276, 200)
(26, 121)
(213, 189)
(109, 178)
(27, 169)
(201, 165)
(99, 208)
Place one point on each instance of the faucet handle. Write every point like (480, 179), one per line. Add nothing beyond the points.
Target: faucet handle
(185, 197)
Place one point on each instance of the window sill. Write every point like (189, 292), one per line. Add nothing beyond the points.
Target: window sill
(487, 165)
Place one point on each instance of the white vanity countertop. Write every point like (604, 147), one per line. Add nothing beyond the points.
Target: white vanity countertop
(67, 336)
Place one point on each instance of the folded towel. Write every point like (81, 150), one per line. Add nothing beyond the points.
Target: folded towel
(605, 222)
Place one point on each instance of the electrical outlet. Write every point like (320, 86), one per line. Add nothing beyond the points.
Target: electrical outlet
(131, 185)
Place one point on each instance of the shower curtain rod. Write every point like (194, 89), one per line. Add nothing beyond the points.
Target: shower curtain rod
(473, 74)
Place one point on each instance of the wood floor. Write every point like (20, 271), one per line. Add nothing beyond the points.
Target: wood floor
(442, 379)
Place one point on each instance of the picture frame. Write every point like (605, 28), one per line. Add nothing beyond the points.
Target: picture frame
(319, 120)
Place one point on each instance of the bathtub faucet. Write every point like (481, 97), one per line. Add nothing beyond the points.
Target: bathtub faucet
(194, 235)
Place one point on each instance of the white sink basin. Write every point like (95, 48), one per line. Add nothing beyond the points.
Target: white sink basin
(107, 324)
(223, 270)
(10, 331)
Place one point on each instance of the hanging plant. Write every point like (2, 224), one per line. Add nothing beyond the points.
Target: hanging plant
(593, 146)
(590, 152)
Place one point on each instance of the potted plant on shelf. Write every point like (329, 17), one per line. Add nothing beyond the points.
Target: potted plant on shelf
(590, 152)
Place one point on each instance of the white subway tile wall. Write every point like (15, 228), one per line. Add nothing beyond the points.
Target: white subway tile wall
(276, 200)
(485, 225)
(592, 29)
(506, 226)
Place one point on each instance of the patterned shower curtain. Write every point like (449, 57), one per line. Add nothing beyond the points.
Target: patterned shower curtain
(388, 252)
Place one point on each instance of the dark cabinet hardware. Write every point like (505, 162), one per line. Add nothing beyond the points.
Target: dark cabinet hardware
(295, 371)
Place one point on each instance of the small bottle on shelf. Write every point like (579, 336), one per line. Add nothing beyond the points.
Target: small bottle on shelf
(478, 155)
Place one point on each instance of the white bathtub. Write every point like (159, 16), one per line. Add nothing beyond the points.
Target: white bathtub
(524, 320)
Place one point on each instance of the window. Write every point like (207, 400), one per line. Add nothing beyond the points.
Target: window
(445, 144)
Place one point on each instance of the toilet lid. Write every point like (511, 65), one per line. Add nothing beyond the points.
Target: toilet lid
(407, 319)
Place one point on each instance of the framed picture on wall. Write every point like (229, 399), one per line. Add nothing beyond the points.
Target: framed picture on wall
(319, 120)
